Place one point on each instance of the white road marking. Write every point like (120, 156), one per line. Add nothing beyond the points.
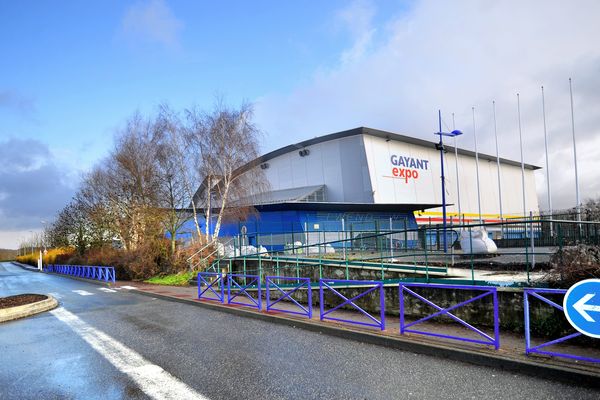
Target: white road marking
(128, 287)
(152, 379)
(83, 293)
(107, 290)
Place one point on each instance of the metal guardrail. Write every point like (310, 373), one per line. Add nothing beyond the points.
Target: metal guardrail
(100, 273)
(529, 349)
(333, 286)
(287, 292)
(327, 284)
(204, 279)
(235, 290)
(486, 291)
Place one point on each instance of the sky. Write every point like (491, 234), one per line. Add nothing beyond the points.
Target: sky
(71, 73)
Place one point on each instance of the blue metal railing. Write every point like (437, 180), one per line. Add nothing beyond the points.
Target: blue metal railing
(235, 290)
(99, 273)
(529, 349)
(330, 295)
(486, 290)
(286, 293)
(217, 281)
(327, 284)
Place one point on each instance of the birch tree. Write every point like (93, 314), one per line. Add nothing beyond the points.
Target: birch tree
(225, 140)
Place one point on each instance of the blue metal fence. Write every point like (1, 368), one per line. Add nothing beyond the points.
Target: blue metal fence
(486, 291)
(211, 280)
(250, 291)
(235, 290)
(529, 349)
(327, 284)
(100, 273)
(286, 292)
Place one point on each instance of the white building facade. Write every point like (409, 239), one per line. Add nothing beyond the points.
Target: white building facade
(367, 166)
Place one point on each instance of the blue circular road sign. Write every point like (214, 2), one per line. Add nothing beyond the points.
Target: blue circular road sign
(582, 307)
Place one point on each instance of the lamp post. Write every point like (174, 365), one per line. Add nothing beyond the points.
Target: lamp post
(440, 147)
(44, 234)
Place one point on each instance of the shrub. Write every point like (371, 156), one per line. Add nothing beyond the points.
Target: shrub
(573, 264)
(59, 255)
(30, 259)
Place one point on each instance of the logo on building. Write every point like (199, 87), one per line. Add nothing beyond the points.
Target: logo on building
(407, 167)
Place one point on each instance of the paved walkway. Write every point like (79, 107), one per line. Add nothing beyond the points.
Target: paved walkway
(512, 345)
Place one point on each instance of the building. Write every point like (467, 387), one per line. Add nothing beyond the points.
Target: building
(365, 179)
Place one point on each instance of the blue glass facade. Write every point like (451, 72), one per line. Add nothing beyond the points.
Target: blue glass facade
(274, 229)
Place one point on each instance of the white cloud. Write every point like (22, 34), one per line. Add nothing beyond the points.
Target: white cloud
(32, 188)
(357, 19)
(455, 55)
(153, 21)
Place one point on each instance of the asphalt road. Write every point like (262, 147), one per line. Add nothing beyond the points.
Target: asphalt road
(114, 345)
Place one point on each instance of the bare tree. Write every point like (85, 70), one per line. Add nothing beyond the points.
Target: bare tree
(121, 192)
(73, 227)
(173, 178)
(225, 141)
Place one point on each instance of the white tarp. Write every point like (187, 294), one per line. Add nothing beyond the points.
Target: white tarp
(477, 241)
(230, 251)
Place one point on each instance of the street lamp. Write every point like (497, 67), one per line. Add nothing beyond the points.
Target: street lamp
(44, 235)
(440, 147)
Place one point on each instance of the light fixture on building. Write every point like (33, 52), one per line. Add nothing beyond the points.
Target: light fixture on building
(304, 152)
(264, 166)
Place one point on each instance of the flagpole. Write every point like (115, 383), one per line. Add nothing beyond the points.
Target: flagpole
(547, 160)
(497, 161)
(477, 166)
(522, 163)
(456, 168)
(577, 199)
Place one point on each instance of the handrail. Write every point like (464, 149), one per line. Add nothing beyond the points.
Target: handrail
(211, 254)
(200, 251)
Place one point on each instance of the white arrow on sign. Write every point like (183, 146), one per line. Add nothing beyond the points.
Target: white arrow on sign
(582, 308)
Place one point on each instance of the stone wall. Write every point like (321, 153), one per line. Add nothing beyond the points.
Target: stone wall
(545, 320)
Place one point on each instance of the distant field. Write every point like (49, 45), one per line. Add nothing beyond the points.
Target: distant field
(8, 255)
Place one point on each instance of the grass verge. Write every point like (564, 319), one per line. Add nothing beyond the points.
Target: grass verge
(179, 279)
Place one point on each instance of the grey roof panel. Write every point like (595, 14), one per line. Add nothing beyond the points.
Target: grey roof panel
(281, 196)
(381, 134)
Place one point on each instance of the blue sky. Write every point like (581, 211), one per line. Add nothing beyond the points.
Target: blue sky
(71, 72)
(82, 67)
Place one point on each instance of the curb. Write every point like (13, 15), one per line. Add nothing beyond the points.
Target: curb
(25, 266)
(32, 269)
(27, 310)
(76, 278)
(530, 368)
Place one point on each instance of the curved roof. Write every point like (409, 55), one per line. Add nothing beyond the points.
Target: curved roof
(378, 133)
(362, 131)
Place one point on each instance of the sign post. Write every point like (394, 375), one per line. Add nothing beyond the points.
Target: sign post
(582, 307)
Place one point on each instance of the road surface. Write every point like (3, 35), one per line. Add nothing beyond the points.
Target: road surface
(114, 344)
